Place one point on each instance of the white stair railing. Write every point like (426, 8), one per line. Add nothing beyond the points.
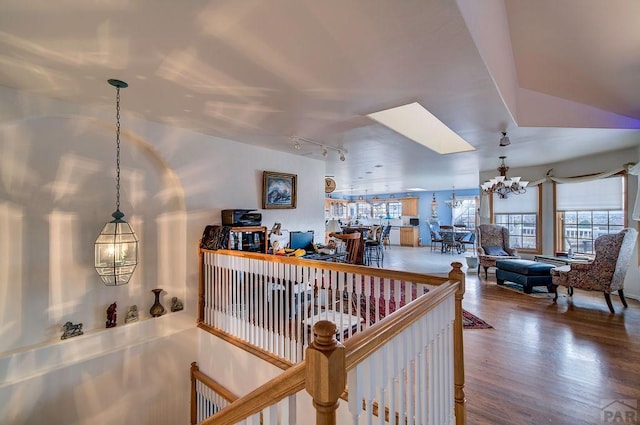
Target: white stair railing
(405, 369)
(273, 305)
(410, 377)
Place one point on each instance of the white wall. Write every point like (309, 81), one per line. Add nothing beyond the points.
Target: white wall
(583, 166)
(57, 189)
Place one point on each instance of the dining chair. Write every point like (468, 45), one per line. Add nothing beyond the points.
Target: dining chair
(373, 249)
(435, 240)
(352, 246)
(385, 236)
(449, 241)
(468, 238)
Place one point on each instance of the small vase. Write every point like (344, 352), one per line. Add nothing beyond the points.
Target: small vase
(157, 309)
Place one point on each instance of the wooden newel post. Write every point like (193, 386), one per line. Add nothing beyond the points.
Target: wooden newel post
(457, 275)
(194, 406)
(326, 373)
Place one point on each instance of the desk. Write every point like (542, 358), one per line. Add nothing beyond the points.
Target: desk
(318, 256)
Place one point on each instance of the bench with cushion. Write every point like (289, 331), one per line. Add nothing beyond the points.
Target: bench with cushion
(526, 273)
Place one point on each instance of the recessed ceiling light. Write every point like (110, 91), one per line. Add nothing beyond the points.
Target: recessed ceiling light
(378, 165)
(368, 172)
(418, 124)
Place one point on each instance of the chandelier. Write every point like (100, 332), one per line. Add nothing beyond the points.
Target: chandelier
(116, 248)
(501, 185)
(453, 202)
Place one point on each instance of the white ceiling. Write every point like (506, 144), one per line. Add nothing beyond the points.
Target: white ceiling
(561, 76)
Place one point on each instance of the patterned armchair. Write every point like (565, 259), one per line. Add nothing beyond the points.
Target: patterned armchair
(606, 272)
(493, 244)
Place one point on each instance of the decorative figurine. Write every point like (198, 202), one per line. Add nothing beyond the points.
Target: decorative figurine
(111, 316)
(132, 314)
(176, 304)
(434, 208)
(71, 330)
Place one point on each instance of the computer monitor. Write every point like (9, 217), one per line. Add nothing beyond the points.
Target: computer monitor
(302, 240)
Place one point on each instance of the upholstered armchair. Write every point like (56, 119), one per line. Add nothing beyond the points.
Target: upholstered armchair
(493, 244)
(606, 272)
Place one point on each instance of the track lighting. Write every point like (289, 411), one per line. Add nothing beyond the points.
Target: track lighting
(324, 148)
(504, 140)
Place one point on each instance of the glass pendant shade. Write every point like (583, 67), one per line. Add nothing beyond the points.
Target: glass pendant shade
(116, 253)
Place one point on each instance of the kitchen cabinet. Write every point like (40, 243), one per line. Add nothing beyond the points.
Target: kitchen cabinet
(409, 206)
(335, 208)
(409, 236)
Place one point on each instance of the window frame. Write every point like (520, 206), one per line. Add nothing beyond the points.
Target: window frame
(471, 221)
(539, 220)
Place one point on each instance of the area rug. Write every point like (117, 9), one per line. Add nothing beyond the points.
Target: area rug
(471, 321)
(537, 291)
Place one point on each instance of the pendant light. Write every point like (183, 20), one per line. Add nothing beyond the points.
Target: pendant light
(502, 185)
(453, 202)
(116, 248)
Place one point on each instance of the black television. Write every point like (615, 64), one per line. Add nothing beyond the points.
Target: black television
(302, 240)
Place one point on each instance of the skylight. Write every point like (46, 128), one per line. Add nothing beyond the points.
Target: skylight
(418, 124)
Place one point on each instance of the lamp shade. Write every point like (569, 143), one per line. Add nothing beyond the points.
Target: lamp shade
(116, 252)
(333, 226)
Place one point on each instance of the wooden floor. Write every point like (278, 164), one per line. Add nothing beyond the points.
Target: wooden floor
(543, 363)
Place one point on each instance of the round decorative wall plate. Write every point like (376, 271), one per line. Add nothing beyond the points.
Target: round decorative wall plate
(329, 185)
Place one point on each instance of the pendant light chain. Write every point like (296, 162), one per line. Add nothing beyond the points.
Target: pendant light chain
(117, 148)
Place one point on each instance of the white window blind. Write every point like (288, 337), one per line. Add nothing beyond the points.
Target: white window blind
(524, 203)
(600, 194)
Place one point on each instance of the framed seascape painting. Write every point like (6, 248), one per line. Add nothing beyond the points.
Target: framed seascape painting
(278, 190)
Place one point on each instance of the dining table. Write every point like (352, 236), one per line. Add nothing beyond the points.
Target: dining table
(451, 237)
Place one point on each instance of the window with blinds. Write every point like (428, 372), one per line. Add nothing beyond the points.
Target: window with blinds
(587, 210)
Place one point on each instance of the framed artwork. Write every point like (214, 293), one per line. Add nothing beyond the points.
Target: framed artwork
(278, 190)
